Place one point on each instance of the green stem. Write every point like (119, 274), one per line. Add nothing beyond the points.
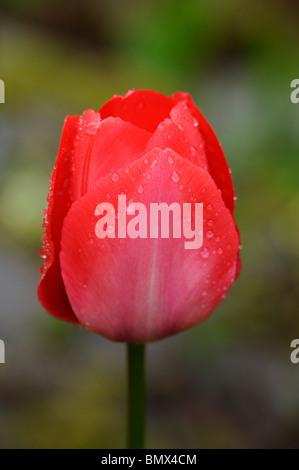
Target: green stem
(136, 396)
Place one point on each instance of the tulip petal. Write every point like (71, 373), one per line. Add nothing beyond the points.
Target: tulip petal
(180, 134)
(51, 291)
(144, 108)
(144, 289)
(218, 167)
(90, 148)
(109, 145)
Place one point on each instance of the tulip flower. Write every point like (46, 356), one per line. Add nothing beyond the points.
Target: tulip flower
(134, 185)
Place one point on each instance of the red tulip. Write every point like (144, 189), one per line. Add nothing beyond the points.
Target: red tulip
(153, 149)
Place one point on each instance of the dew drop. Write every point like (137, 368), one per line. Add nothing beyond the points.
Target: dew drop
(108, 196)
(115, 176)
(153, 164)
(175, 177)
(209, 207)
(235, 198)
(84, 286)
(170, 160)
(140, 190)
(148, 177)
(210, 222)
(210, 234)
(219, 251)
(205, 253)
(180, 127)
(228, 246)
(217, 239)
(204, 293)
(91, 241)
(145, 161)
(195, 122)
(181, 187)
(203, 190)
(193, 151)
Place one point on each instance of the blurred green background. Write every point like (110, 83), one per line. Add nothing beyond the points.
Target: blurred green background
(228, 383)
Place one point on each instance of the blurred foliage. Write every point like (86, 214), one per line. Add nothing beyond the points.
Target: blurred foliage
(228, 383)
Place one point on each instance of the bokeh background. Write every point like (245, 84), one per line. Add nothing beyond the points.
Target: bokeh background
(228, 383)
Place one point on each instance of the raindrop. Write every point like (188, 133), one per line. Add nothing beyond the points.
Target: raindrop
(145, 161)
(228, 246)
(210, 222)
(219, 251)
(209, 207)
(204, 293)
(203, 190)
(175, 177)
(140, 190)
(170, 160)
(205, 252)
(91, 241)
(181, 187)
(180, 127)
(235, 198)
(153, 164)
(210, 234)
(217, 239)
(115, 177)
(195, 122)
(193, 151)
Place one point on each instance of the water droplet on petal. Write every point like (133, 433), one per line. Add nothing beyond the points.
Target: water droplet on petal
(193, 151)
(115, 176)
(228, 246)
(210, 233)
(181, 187)
(91, 241)
(217, 239)
(153, 164)
(205, 253)
(148, 177)
(170, 160)
(175, 177)
(140, 190)
(203, 190)
(180, 127)
(219, 251)
(145, 161)
(235, 198)
(204, 293)
(195, 122)
(209, 207)
(210, 222)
